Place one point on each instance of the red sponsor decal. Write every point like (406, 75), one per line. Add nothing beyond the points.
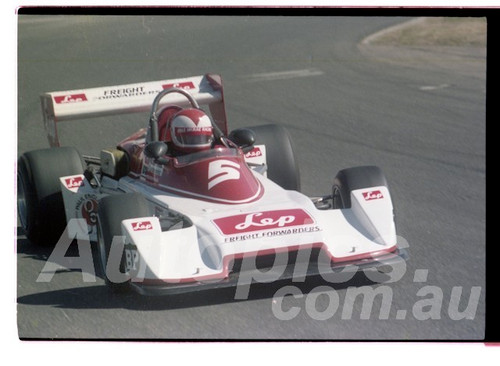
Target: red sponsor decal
(74, 182)
(70, 98)
(142, 225)
(181, 85)
(266, 220)
(372, 195)
(254, 153)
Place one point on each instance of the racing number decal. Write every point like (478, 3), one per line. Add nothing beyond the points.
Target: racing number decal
(131, 258)
(222, 170)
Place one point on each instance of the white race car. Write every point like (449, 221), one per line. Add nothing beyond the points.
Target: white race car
(168, 220)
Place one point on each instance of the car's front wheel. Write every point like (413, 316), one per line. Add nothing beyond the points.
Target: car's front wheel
(40, 203)
(112, 211)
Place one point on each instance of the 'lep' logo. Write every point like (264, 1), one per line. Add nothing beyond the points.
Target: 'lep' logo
(372, 195)
(142, 225)
(70, 98)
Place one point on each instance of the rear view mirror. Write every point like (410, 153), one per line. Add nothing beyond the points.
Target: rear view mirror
(244, 138)
(156, 149)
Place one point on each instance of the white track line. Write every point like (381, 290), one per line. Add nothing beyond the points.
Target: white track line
(434, 87)
(283, 75)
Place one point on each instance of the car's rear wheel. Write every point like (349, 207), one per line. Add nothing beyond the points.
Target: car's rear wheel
(112, 211)
(350, 179)
(40, 203)
(282, 167)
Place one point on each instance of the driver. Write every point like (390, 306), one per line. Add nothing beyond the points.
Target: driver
(191, 131)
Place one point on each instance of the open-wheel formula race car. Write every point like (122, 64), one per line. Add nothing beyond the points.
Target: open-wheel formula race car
(185, 204)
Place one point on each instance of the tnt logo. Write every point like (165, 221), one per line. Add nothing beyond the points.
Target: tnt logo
(372, 195)
(74, 182)
(70, 98)
(142, 225)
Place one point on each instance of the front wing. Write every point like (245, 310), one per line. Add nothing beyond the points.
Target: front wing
(293, 270)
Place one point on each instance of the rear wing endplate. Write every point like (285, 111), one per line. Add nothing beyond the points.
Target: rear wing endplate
(130, 98)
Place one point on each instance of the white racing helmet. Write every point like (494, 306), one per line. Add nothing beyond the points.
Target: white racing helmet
(191, 131)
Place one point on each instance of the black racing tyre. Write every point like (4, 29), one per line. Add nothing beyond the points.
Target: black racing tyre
(112, 211)
(350, 179)
(40, 203)
(282, 167)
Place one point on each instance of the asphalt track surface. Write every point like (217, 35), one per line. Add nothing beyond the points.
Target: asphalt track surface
(422, 122)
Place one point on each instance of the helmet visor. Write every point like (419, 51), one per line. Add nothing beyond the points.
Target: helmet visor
(194, 136)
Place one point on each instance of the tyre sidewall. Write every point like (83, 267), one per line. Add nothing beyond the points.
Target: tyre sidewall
(282, 166)
(25, 182)
(39, 172)
(112, 211)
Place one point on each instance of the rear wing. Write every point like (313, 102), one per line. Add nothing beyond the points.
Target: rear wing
(130, 98)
